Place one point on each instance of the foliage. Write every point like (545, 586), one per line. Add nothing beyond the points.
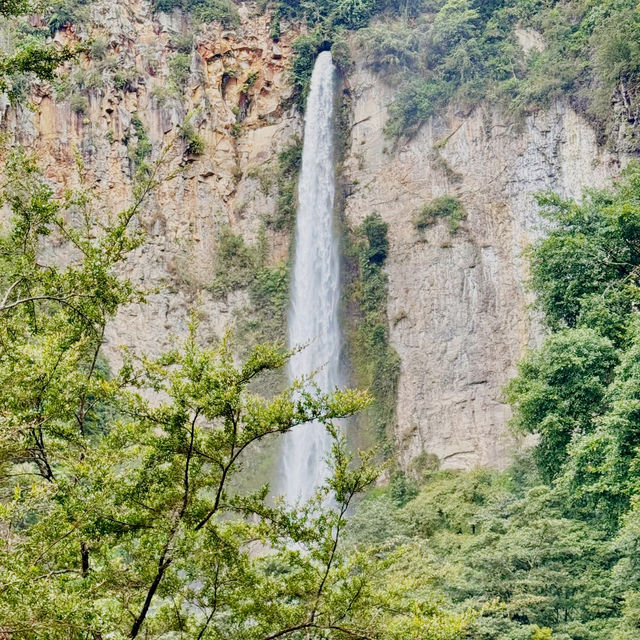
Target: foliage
(224, 11)
(79, 104)
(443, 207)
(179, 71)
(465, 50)
(234, 265)
(306, 49)
(341, 54)
(117, 514)
(269, 296)
(329, 19)
(482, 541)
(578, 391)
(125, 79)
(289, 164)
(592, 251)
(375, 362)
(139, 147)
(194, 143)
(548, 549)
(31, 57)
(66, 12)
(560, 390)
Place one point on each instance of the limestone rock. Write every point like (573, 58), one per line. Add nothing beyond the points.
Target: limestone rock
(458, 306)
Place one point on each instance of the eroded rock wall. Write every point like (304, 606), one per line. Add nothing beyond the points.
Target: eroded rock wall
(234, 96)
(459, 311)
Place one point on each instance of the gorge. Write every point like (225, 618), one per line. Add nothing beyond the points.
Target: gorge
(453, 365)
(319, 320)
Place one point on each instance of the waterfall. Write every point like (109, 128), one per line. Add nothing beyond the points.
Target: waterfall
(315, 288)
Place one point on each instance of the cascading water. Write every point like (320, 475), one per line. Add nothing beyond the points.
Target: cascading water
(315, 290)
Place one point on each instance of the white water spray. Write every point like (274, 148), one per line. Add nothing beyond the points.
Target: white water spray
(315, 290)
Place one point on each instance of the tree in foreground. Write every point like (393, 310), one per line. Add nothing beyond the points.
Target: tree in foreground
(122, 512)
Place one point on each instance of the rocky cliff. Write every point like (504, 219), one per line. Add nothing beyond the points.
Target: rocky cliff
(458, 306)
(232, 94)
(459, 311)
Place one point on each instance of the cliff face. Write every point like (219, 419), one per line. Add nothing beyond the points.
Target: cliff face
(232, 93)
(458, 308)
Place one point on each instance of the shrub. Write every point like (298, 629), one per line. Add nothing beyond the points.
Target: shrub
(342, 56)
(289, 163)
(183, 43)
(79, 104)
(125, 79)
(139, 149)
(179, 70)
(223, 11)
(269, 296)
(375, 230)
(65, 12)
(194, 142)
(414, 104)
(98, 49)
(234, 265)
(376, 363)
(442, 207)
(353, 14)
(92, 80)
(305, 50)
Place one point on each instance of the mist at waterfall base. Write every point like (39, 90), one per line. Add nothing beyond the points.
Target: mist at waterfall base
(315, 289)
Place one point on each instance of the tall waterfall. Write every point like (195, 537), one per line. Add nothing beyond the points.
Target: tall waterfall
(315, 289)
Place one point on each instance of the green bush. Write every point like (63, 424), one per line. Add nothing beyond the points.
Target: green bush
(289, 163)
(234, 264)
(64, 12)
(467, 51)
(415, 102)
(183, 43)
(341, 55)
(139, 146)
(194, 143)
(443, 207)
(98, 49)
(305, 49)
(79, 104)
(269, 297)
(376, 364)
(179, 70)
(125, 79)
(224, 11)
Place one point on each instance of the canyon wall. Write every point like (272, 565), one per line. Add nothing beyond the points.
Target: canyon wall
(233, 95)
(459, 311)
(458, 307)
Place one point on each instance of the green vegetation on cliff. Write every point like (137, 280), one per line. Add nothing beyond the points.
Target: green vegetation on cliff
(375, 363)
(521, 54)
(25, 53)
(224, 11)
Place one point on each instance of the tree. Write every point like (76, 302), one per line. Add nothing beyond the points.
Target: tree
(588, 263)
(122, 509)
(558, 391)
(42, 61)
(600, 477)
